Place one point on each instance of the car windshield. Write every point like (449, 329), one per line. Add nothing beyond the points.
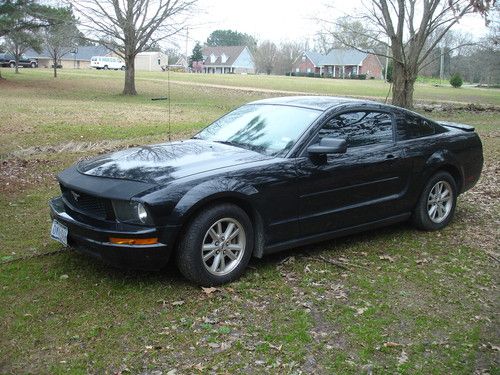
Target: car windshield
(268, 129)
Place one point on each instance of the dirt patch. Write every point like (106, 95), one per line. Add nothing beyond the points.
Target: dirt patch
(96, 147)
(18, 174)
(325, 335)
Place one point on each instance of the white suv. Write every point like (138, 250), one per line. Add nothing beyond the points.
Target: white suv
(104, 62)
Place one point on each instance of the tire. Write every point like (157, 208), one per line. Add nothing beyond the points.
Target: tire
(12, 64)
(122, 68)
(33, 65)
(437, 203)
(205, 259)
(105, 67)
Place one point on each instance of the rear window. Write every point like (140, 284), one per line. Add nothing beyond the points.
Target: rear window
(410, 126)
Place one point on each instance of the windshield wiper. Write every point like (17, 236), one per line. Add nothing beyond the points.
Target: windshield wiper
(231, 143)
(259, 149)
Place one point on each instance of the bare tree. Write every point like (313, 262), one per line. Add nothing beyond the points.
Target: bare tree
(61, 38)
(404, 26)
(128, 27)
(265, 57)
(287, 54)
(348, 31)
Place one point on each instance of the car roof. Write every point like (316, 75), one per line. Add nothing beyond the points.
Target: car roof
(321, 103)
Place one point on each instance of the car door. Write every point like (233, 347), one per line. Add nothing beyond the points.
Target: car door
(362, 185)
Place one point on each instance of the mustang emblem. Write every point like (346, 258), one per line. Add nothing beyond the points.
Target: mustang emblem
(75, 195)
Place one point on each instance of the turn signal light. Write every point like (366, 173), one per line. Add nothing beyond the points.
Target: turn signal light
(133, 241)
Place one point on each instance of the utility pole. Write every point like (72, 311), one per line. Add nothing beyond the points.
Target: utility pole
(387, 54)
(386, 63)
(441, 65)
(187, 37)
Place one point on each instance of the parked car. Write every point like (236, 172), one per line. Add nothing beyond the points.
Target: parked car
(271, 175)
(8, 60)
(105, 62)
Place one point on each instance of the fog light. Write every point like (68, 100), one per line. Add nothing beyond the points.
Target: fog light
(133, 241)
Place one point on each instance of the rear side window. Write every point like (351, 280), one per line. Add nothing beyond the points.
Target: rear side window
(411, 127)
(359, 128)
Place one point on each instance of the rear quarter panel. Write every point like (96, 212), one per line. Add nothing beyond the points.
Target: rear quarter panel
(454, 150)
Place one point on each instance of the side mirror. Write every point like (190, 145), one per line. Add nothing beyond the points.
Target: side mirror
(328, 146)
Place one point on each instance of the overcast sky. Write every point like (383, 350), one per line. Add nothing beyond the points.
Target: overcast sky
(280, 20)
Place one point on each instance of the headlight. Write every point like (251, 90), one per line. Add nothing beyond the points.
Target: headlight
(142, 213)
(131, 212)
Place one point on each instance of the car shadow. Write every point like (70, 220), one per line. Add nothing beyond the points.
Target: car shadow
(335, 247)
(171, 275)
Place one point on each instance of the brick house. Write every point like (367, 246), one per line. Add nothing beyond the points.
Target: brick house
(226, 59)
(339, 63)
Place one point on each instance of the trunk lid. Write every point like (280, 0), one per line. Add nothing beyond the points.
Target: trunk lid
(456, 125)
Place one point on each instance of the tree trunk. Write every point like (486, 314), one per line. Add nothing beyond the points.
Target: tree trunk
(55, 68)
(17, 64)
(403, 84)
(129, 88)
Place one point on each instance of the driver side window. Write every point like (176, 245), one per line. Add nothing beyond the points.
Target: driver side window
(359, 128)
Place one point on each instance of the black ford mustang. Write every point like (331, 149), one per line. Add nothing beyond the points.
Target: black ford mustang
(270, 175)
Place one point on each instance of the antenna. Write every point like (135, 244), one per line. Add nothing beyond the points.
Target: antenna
(168, 98)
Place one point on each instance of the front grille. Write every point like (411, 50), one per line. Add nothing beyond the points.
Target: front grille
(86, 204)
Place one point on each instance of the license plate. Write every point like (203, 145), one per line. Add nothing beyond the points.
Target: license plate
(59, 232)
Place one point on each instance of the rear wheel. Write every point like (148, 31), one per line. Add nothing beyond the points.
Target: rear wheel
(105, 67)
(216, 246)
(33, 65)
(436, 206)
(12, 64)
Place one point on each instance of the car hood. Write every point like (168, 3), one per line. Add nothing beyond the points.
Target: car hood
(168, 161)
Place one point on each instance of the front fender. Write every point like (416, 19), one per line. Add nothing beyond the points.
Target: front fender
(209, 191)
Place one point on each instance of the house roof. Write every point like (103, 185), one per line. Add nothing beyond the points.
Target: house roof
(83, 53)
(337, 56)
(231, 52)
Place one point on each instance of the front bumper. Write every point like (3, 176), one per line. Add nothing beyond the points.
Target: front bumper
(91, 237)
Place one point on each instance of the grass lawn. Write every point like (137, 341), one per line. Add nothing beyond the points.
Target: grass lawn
(409, 302)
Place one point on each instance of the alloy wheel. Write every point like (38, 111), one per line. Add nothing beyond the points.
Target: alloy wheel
(223, 246)
(440, 202)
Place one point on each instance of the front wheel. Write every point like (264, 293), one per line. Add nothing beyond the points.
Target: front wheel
(105, 67)
(12, 64)
(33, 65)
(436, 205)
(216, 245)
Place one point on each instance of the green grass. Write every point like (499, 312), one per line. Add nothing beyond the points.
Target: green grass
(411, 302)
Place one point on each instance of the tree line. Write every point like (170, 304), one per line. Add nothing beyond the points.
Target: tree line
(406, 32)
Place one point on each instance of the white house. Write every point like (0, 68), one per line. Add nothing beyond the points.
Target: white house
(226, 59)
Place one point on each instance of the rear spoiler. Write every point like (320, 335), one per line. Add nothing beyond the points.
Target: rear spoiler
(455, 125)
